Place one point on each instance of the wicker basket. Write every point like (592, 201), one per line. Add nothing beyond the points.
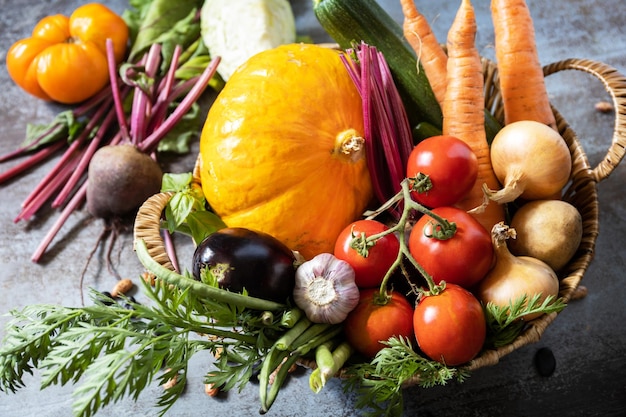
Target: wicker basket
(581, 192)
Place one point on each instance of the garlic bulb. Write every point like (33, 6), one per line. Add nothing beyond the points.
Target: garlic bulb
(325, 289)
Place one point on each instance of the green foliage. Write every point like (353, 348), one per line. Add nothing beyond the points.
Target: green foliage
(381, 381)
(114, 351)
(186, 211)
(504, 324)
(162, 21)
(64, 126)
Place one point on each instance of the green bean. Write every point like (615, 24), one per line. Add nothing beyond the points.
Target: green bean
(199, 288)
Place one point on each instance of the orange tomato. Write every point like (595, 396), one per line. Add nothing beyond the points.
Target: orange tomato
(65, 60)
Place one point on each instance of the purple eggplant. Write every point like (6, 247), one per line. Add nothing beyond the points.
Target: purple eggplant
(241, 258)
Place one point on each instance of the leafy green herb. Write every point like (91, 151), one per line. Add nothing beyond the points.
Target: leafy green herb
(505, 323)
(380, 382)
(186, 211)
(115, 351)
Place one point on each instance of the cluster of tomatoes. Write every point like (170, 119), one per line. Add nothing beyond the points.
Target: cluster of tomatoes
(445, 319)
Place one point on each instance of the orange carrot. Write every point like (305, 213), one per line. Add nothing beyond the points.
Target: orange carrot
(522, 82)
(420, 36)
(463, 112)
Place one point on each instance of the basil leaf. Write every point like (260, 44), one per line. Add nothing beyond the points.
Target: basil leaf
(176, 182)
(202, 224)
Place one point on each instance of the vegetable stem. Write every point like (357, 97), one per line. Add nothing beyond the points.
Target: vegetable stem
(73, 204)
(115, 91)
(286, 340)
(281, 375)
(328, 363)
(150, 142)
(291, 317)
(199, 288)
(41, 155)
(442, 229)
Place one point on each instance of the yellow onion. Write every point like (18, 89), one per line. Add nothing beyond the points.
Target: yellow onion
(531, 160)
(513, 277)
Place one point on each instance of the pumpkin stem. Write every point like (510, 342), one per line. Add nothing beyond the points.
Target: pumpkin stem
(350, 143)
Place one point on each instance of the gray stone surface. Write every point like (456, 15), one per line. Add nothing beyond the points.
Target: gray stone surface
(588, 338)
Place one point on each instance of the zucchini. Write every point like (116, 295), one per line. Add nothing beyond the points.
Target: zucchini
(350, 21)
(425, 130)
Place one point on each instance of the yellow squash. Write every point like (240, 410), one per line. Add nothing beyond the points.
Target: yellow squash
(282, 148)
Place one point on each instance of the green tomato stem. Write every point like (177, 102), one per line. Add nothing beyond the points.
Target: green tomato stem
(442, 227)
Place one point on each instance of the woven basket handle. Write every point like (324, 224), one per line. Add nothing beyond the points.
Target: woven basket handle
(615, 84)
(148, 227)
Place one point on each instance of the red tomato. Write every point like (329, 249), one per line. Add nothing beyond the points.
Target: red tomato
(464, 259)
(371, 322)
(451, 166)
(368, 271)
(450, 327)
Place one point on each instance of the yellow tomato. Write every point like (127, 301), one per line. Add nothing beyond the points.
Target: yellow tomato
(65, 60)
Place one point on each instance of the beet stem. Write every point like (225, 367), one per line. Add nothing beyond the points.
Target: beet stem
(54, 172)
(159, 109)
(49, 188)
(30, 162)
(141, 103)
(170, 249)
(69, 153)
(83, 164)
(196, 91)
(65, 214)
(387, 130)
(115, 90)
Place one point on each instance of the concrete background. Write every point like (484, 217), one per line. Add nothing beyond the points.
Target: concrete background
(588, 338)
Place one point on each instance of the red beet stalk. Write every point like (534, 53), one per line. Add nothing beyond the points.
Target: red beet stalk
(388, 138)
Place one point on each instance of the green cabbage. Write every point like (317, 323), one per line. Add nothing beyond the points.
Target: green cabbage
(235, 30)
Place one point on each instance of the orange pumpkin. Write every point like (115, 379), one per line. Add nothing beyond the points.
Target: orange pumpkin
(64, 60)
(282, 148)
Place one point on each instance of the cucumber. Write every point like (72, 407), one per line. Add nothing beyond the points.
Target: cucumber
(350, 21)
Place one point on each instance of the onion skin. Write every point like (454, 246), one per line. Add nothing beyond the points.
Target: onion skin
(531, 160)
(515, 276)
